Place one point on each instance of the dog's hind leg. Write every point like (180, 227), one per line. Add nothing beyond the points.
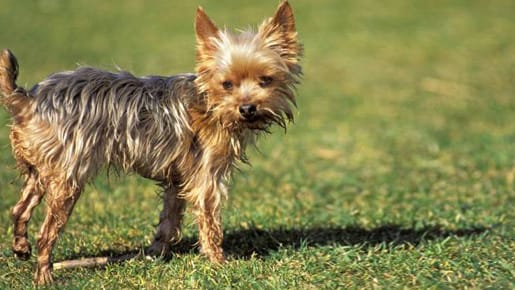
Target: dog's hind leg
(22, 212)
(169, 229)
(61, 198)
(17, 103)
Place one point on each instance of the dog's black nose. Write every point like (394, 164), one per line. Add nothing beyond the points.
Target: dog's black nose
(248, 111)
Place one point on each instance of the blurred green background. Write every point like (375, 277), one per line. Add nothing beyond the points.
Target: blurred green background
(398, 172)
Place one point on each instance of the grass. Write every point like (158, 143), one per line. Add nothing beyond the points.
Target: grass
(398, 173)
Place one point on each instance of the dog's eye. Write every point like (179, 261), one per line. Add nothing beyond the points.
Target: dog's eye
(227, 85)
(265, 81)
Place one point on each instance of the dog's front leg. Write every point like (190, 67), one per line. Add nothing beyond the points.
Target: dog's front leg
(205, 193)
(210, 231)
(169, 229)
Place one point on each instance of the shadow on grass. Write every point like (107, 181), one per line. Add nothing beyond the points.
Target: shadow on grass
(243, 244)
(254, 242)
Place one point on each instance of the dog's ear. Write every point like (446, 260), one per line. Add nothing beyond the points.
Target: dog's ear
(280, 35)
(205, 30)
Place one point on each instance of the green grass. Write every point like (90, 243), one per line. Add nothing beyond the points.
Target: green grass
(398, 173)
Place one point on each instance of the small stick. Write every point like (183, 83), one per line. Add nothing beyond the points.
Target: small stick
(92, 262)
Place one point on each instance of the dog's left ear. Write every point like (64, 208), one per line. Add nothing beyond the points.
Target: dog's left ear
(280, 35)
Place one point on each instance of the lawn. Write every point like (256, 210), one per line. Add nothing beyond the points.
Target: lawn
(399, 171)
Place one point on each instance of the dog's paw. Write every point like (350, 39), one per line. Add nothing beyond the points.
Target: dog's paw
(215, 255)
(21, 248)
(43, 276)
(158, 249)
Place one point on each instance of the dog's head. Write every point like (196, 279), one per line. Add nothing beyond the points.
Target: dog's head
(248, 77)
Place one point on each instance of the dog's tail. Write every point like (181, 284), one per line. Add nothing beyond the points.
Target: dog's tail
(14, 97)
(8, 72)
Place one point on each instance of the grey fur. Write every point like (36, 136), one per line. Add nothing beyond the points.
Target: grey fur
(128, 120)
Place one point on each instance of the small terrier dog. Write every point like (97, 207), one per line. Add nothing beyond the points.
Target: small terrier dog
(186, 131)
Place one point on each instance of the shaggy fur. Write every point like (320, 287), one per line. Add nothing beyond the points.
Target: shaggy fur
(185, 131)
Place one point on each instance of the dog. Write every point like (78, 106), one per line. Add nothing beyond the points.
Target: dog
(187, 131)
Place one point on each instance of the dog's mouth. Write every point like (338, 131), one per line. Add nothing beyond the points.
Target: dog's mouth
(250, 119)
(255, 122)
(261, 120)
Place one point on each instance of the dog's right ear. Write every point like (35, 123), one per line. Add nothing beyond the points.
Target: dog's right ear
(205, 30)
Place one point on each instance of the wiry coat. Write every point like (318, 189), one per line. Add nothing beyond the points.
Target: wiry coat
(186, 131)
(100, 118)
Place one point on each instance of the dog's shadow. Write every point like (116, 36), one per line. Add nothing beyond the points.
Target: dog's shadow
(259, 243)
(243, 244)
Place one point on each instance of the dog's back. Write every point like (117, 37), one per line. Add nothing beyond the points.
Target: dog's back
(80, 120)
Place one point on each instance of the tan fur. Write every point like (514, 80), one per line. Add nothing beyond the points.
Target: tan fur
(187, 132)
